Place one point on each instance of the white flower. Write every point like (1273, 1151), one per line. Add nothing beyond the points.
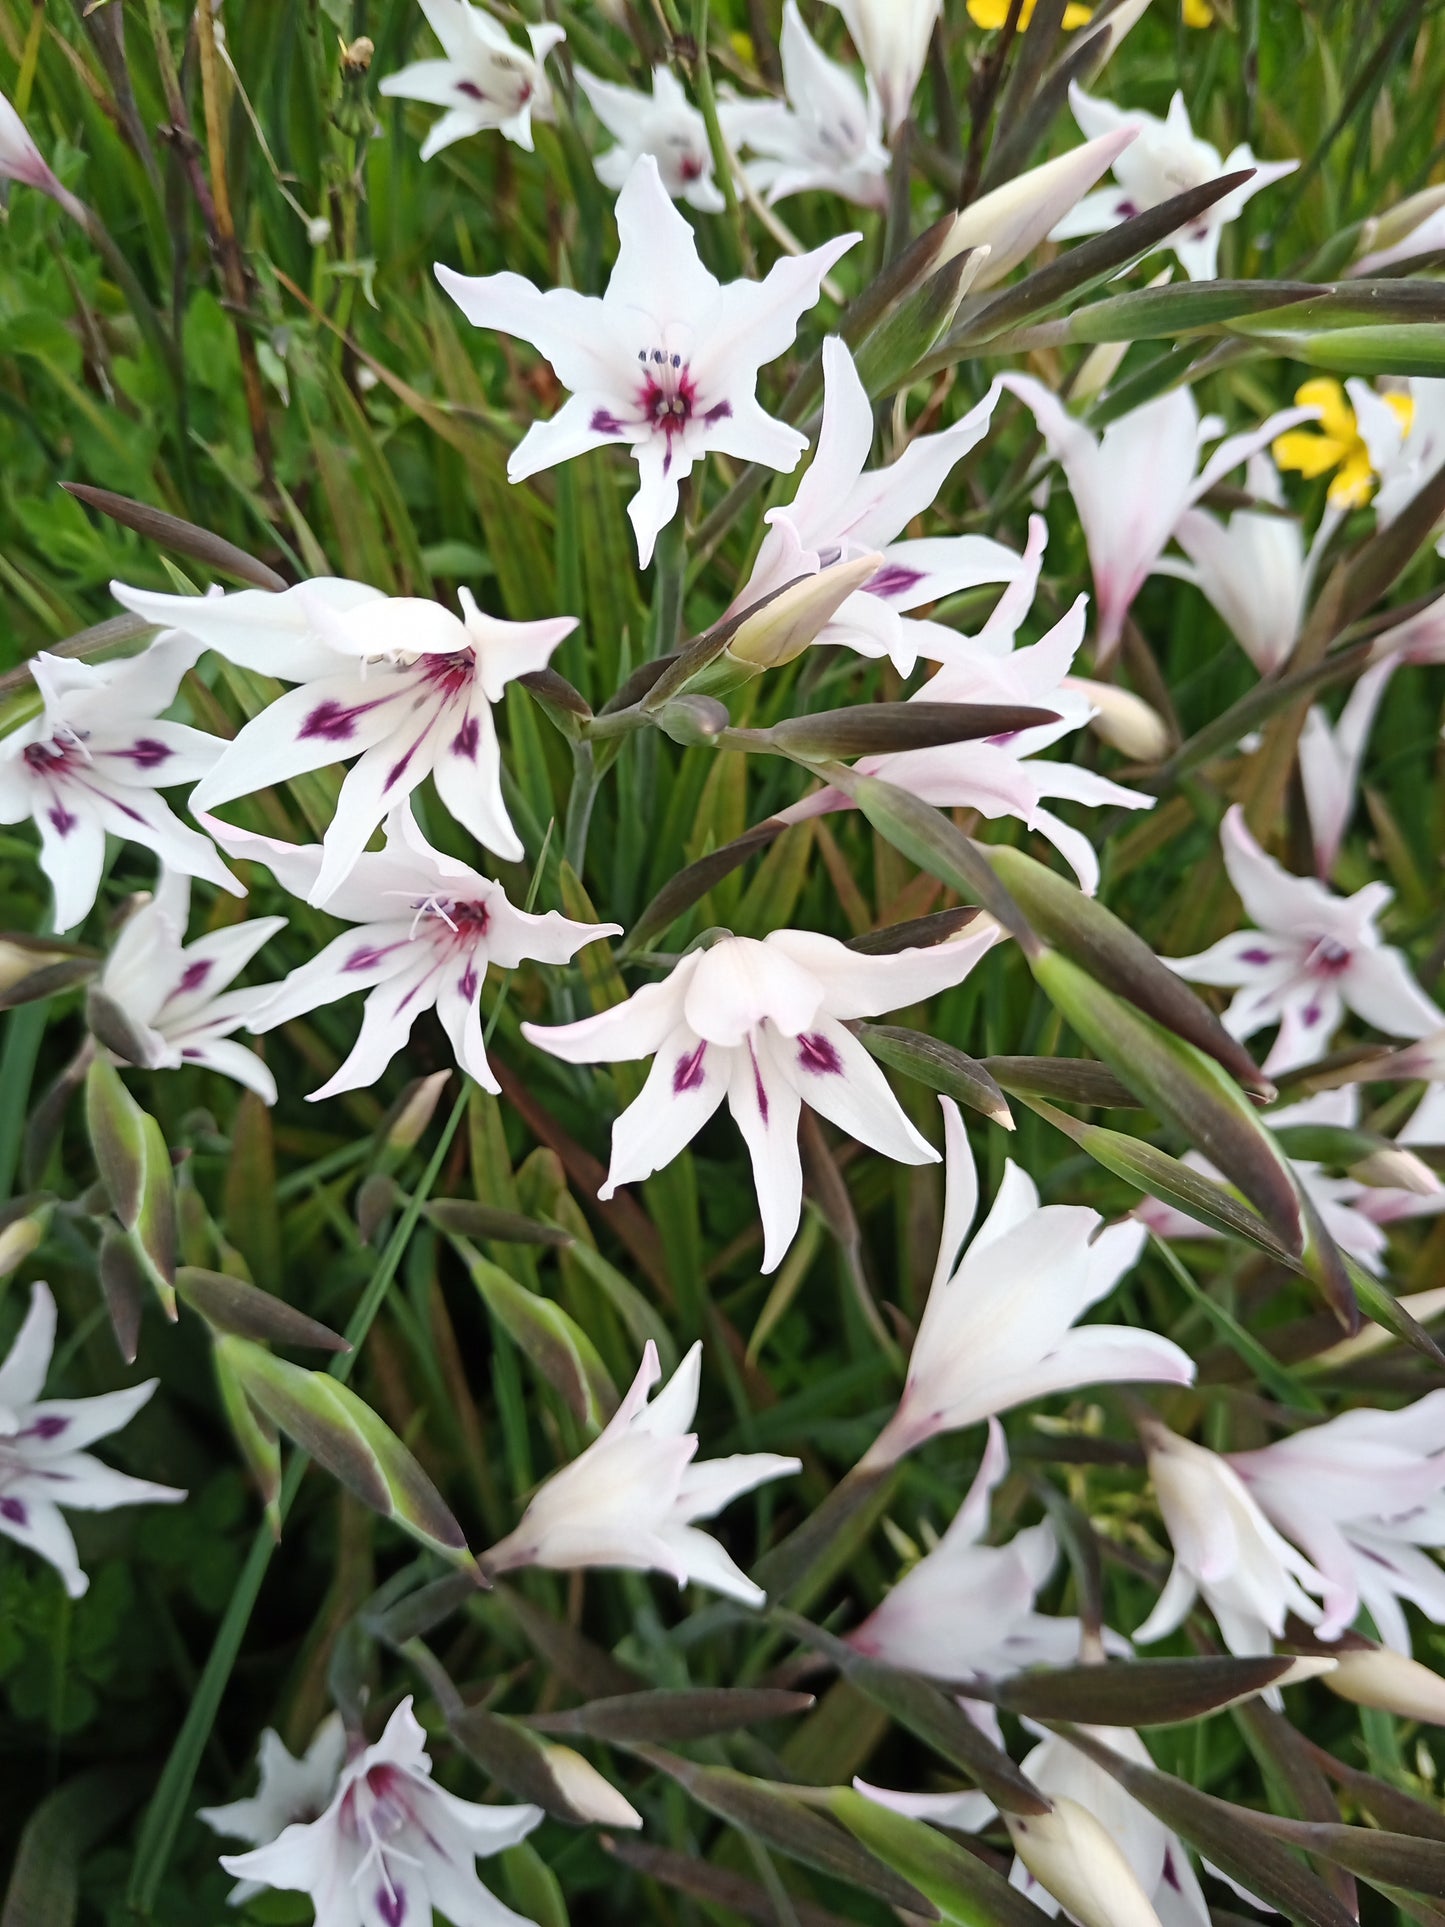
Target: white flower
(892, 38)
(1330, 758)
(997, 1330)
(392, 1845)
(1166, 159)
(826, 137)
(841, 511)
(1312, 956)
(1406, 444)
(289, 1790)
(633, 1497)
(92, 762)
(398, 682)
(1252, 568)
(483, 79)
(666, 361)
(174, 995)
(1363, 1495)
(764, 1025)
(21, 160)
(1001, 775)
(43, 1462)
(1011, 220)
(1225, 1550)
(1132, 484)
(430, 927)
(1414, 228)
(663, 124)
(965, 1611)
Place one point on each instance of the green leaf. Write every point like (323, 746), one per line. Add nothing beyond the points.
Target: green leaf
(465, 1218)
(170, 532)
(688, 1713)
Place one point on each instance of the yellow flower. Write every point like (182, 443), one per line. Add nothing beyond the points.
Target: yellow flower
(993, 13)
(1197, 13)
(1336, 443)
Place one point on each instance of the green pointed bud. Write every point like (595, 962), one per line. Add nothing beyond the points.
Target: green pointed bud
(20, 1237)
(940, 1066)
(405, 1124)
(123, 1286)
(554, 1343)
(692, 719)
(241, 1310)
(36, 967)
(342, 1433)
(870, 729)
(553, 1777)
(785, 625)
(1182, 1086)
(890, 354)
(135, 1168)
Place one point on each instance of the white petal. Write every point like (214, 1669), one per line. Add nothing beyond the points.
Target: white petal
(687, 1082)
(766, 1107)
(22, 1376)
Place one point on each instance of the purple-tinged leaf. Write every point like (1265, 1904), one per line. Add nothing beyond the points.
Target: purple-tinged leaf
(183, 538)
(243, 1310)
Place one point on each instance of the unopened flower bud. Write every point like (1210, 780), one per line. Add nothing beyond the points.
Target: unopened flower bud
(18, 1239)
(693, 719)
(1375, 1676)
(1123, 720)
(585, 1790)
(1075, 1857)
(356, 58)
(1014, 218)
(1396, 1169)
(1422, 1306)
(785, 625)
(318, 230)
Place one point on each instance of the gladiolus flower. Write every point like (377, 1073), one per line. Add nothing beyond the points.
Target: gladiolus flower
(1166, 159)
(1330, 759)
(483, 79)
(633, 1497)
(666, 361)
(430, 928)
(43, 1463)
(21, 160)
(892, 38)
(764, 1025)
(392, 1845)
(1370, 1675)
(92, 762)
(173, 996)
(998, 1328)
(663, 124)
(1312, 956)
(827, 137)
(289, 1790)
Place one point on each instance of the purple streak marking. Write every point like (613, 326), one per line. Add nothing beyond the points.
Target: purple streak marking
(194, 975)
(893, 579)
(14, 1510)
(50, 1427)
(604, 422)
(818, 1053)
(464, 743)
(146, 753)
(759, 1088)
(469, 983)
(687, 1072)
(719, 412)
(62, 819)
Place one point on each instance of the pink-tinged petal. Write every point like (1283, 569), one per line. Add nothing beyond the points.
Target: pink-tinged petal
(766, 1107)
(585, 421)
(567, 329)
(1016, 1202)
(141, 685)
(636, 1027)
(36, 1524)
(299, 1860)
(831, 1071)
(1102, 1355)
(883, 503)
(671, 1413)
(658, 272)
(970, 1522)
(140, 816)
(357, 960)
(933, 567)
(1235, 450)
(22, 1376)
(72, 854)
(1309, 1018)
(964, 1812)
(687, 1082)
(308, 728)
(517, 936)
(1330, 759)
(211, 963)
(394, 625)
(1094, 213)
(1379, 986)
(743, 429)
(707, 1564)
(711, 1484)
(1272, 898)
(486, 1830)
(858, 985)
(1171, 1608)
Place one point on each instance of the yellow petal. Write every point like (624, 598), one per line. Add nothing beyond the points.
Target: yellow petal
(1337, 418)
(1198, 13)
(1076, 16)
(993, 13)
(1351, 487)
(1309, 452)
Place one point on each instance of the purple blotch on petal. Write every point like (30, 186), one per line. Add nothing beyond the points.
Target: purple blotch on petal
(146, 753)
(14, 1510)
(818, 1053)
(465, 741)
(391, 1905)
(893, 579)
(469, 983)
(604, 422)
(332, 720)
(1256, 956)
(719, 412)
(49, 1427)
(194, 975)
(687, 1072)
(62, 819)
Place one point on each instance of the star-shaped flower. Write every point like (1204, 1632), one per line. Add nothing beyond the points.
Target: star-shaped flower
(666, 361)
(289, 1790)
(44, 1466)
(93, 760)
(483, 79)
(764, 1025)
(633, 1498)
(429, 929)
(400, 683)
(1312, 956)
(174, 995)
(1166, 159)
(664, 124)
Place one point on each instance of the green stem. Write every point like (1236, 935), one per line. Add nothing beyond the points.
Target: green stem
(722, 159)
(172, 1796)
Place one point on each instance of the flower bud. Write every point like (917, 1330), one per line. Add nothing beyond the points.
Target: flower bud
(18, 1239)
(790, 620)
(585, 1790)
(318, 230)
(1422, 1306)
(1123, 720)
(1396, 1169)
(1375, 1676)
(1075, 1857)
(1398, 223)
(1014, 218)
